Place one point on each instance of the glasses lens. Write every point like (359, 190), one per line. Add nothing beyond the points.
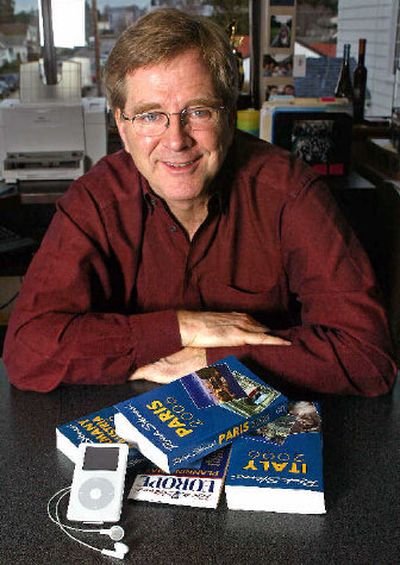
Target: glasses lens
(201, 118)
(151, 123)
(155, 123)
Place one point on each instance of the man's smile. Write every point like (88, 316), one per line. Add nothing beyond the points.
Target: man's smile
(181, 166)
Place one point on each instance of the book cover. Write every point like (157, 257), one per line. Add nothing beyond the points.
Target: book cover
(200, 487)
(280, 467)
(97, 427)
(190, 417)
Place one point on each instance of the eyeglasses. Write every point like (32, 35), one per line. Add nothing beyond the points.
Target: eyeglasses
(155, 123)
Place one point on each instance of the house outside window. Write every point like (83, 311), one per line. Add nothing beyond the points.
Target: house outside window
(322, 28)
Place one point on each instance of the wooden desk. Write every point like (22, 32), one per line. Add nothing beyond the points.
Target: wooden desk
(361, 458)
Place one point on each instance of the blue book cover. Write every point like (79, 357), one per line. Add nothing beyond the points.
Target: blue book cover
(97, 427)
(200, 487)
(190, 417)
(279, 468)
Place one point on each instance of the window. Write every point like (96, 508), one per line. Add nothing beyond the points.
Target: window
(320, 29)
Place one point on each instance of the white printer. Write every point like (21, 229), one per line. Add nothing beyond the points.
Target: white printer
(50, 132)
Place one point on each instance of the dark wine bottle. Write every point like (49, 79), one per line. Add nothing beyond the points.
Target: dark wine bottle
(344, 87)
(360, 83)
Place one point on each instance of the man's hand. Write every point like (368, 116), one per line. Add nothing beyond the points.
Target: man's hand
(200, 330)
(223, 329)
(170, 368)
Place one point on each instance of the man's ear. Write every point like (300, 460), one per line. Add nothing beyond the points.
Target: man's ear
(120, 123)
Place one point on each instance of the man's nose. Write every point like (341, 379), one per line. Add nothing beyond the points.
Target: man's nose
(177, 135)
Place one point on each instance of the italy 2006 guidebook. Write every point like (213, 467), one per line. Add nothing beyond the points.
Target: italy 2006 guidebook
(197, 414)
(279, 467)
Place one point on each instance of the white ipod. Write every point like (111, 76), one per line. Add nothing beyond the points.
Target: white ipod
(98, 483)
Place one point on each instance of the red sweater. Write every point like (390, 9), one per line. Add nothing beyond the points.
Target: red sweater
(101, 294)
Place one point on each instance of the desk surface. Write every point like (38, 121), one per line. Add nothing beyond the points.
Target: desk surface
(361, 483)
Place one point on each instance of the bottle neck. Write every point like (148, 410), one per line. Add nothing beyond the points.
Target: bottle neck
(346, 54)
(344, 87)
(361, 51)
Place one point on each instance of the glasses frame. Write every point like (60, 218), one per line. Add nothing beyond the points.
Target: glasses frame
(168, 115)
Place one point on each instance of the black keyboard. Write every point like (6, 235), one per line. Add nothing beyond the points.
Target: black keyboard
(11, 242)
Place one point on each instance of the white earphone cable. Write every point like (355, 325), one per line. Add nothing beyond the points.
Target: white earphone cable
(56, 520)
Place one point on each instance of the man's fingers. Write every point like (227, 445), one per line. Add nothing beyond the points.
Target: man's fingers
(159, 372)
(174, 366)
(265, 339)
(191, 359)
(223, 329)
(153, 374)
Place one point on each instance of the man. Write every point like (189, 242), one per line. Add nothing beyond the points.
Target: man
(195, 242)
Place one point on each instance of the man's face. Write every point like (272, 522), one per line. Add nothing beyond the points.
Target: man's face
(179, 164)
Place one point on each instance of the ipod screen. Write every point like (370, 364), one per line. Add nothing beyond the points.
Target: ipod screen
(97, 459)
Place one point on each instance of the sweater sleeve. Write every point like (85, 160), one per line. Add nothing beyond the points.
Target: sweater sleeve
(72, 322)
(342, 344)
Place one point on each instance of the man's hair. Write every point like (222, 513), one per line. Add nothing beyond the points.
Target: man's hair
(159, 37)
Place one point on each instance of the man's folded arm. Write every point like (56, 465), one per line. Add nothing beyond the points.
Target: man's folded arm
(343, 344)
(87, 348)
(59, 331)
(320, 360)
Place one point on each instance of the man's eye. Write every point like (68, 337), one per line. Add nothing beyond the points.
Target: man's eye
(200, 113)
(149, 118)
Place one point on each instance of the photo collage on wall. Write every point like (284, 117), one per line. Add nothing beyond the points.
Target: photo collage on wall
(278, 48)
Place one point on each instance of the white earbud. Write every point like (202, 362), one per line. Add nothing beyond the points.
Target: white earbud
(116, 533)
(119, 551)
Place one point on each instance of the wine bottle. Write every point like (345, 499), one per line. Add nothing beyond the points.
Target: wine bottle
(360, 83)
(344, 87)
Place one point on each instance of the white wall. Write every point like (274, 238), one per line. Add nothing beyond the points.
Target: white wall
(376, 20)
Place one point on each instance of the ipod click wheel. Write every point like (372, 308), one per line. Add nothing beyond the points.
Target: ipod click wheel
(98, 484)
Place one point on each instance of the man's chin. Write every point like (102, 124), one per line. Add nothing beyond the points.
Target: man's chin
(178, 192)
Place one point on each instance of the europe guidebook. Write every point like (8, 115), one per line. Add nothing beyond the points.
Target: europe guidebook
(184, 420)
(200, 487)
(279, 467)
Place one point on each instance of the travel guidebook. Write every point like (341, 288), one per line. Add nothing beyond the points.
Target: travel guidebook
(279, 467)
(97, 427)
(183, 421)
(187, 487)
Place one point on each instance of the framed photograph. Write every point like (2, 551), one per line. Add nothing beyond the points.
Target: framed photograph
(273, 36)
(280, 36)
(277, 65)
(321, 139)
(273, 90)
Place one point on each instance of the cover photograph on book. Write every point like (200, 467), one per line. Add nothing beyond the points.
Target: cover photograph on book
(190, 417)
(199, 487)
(97, 427)
(279, 467)
(222, 385)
